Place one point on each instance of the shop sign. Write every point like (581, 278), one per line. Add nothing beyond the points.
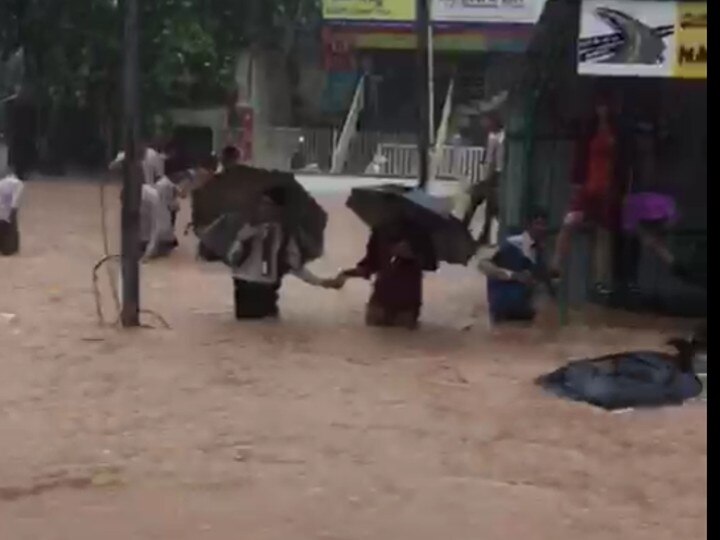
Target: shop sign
(369, 10)
(488, 11)
(458, 11)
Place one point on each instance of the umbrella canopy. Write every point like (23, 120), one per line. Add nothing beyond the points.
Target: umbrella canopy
(236, 192)
(379, 205)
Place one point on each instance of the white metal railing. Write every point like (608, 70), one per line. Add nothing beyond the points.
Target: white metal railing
(277, 144)
(340, 152)
(456, 162)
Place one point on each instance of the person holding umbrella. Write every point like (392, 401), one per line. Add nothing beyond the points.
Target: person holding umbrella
(410, 232)
(262, 253)
(397, 254)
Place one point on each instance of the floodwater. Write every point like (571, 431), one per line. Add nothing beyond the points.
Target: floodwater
(313, 427)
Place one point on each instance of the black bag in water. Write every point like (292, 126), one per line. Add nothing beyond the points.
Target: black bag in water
(625, 380)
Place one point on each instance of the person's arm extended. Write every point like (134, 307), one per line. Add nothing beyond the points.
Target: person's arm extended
(492, 270)
(310, 278)
(300, 271)
(367, 266)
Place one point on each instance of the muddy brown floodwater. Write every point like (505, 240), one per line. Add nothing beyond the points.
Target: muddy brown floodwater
(313, 427)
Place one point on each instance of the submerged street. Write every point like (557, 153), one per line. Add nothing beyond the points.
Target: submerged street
(311, 427)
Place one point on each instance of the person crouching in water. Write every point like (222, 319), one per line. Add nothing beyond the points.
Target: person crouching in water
(172, 187)
(513, 270)
(157, 233)
(263, 252)
(397, 254)
(11, 190)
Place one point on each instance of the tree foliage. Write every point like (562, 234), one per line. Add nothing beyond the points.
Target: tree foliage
(188, 49)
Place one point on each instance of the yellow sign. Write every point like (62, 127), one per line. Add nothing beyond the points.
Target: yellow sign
(369, 10)
(691, 41)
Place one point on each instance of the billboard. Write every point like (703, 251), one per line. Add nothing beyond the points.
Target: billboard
(457, 11)
(630, 38)
(369, 10)
(487, 11)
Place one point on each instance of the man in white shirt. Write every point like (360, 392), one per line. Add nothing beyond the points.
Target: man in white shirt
(488, 190)
(153, 164)
(157, 234)
(11, 190)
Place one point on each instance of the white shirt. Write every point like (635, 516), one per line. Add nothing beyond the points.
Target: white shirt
(169, 193)
(495, 157)
(258, 248)
(11, 190)
(155, 220)
(153, 165)
(525, 244)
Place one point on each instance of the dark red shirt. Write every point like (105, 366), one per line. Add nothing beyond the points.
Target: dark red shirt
(398, 279)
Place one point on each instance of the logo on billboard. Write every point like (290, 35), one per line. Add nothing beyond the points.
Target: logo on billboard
(632, 41)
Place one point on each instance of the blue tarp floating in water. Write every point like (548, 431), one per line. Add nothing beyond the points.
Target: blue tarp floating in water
(626, 380)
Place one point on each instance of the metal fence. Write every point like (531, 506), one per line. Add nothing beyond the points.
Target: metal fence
(385, 154)
(456, 162)
(275, 146)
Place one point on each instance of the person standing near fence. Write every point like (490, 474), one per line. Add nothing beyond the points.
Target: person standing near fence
(599, 175)
(487, 190)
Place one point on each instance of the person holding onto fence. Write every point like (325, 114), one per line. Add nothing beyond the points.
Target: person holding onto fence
(599, 177)
(514, 270)
(262, 253)
(396, 256)
(11, 191)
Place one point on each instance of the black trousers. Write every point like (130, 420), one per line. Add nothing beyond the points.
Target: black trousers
(9, 237)
(484, 192)
(255, 300)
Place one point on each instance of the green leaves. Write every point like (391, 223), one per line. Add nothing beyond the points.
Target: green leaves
(188, 48)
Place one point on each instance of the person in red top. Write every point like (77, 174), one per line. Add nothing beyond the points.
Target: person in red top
(597, 195)
(396, 255)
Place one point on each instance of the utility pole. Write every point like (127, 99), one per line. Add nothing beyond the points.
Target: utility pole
(431, 78)
(422, 23)
(132, 183)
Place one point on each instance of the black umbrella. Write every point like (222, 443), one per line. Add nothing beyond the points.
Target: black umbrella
(379, 205)
(223, 205)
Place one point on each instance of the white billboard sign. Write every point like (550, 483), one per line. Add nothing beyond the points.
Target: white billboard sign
(488, 11)
(643, 39)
